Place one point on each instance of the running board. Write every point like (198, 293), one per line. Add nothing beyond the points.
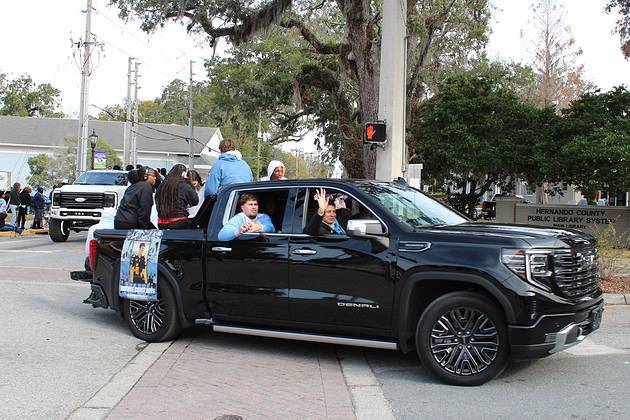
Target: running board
(359, 342)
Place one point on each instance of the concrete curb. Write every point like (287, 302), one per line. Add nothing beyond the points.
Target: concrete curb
(106, 398)
(24, 233)
(365, 389)
(616, 299)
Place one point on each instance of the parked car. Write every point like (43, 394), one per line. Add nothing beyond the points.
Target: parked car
(408, 273)
(489, 209)
(76, 207)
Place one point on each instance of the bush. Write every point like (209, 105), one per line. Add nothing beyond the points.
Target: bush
(614, 251)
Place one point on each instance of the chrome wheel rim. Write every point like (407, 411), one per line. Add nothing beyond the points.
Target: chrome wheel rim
(464, 341)
(147, 317)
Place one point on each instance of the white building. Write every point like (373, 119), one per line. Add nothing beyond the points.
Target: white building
(24, 137)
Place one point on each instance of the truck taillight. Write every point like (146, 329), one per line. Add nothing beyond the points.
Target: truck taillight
(92, 254)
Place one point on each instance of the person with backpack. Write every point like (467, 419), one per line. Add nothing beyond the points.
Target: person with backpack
(39, 203)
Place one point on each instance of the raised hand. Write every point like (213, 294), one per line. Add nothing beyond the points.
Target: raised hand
(322, 200)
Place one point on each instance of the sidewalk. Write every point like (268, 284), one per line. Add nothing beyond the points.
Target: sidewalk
(214, 375)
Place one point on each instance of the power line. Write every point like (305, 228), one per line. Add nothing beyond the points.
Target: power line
(132, 35)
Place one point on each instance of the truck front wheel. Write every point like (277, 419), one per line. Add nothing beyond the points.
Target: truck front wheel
(154, 321)
(461, 338)
(57, 230)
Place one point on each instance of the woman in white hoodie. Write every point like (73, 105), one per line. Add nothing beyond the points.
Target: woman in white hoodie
(275, 171)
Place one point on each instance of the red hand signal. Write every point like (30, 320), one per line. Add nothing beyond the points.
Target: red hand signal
(370, 132)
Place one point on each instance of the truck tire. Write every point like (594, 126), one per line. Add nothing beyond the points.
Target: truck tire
(154, 321)
(461, 338)
(57, 230)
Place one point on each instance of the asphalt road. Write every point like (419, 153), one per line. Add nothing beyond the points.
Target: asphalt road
(588, 381)
(55, 351)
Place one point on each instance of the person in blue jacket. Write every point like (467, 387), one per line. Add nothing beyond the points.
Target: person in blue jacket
(247, 221)
(229, 169)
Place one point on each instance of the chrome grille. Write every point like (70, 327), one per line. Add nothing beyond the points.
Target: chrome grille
(86, 200)
(576, 272)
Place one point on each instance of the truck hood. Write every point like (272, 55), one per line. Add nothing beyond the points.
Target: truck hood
(533, 236)
(92, 188)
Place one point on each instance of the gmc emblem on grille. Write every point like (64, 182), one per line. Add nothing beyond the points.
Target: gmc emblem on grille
(79, 199)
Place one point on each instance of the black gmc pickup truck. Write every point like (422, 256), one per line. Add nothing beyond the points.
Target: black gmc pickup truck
(405, 272)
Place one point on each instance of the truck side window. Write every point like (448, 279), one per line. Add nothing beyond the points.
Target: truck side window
(353, 209)
(273, 203)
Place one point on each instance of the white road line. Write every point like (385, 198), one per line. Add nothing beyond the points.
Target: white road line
(28, 251)
(589, 348)
(102, 403)
(38, 268)
(45, 283)
(365, 390)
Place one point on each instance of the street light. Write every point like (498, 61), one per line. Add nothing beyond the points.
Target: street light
(93, 139)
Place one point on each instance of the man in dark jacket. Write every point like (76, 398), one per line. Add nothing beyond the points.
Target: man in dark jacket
(38, 203)
(134, 211)
(14, 202)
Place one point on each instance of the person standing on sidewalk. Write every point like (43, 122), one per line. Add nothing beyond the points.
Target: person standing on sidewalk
(14, 202)
(38, 208)
(25, 203)
(229, 169)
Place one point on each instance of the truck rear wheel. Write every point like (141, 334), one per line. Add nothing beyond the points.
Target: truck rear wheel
(154, 321)
(57, 230)
(461, 338)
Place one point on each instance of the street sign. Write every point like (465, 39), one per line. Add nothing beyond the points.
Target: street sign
(374, 132)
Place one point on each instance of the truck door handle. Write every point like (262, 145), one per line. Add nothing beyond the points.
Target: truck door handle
(304, 251)
(221, 249)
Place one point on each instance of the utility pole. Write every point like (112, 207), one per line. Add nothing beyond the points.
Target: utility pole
(191, 154)
(82, 136)
(134, 136)
(390, 161)
(126, 148)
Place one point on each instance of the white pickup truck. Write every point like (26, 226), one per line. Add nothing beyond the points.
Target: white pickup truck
(80, 205)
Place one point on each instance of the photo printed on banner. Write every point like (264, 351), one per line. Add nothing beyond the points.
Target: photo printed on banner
(139, 265)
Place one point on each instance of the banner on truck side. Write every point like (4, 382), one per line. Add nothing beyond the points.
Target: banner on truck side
(139, 265)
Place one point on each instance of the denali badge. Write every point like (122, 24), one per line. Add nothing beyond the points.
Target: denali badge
(79, 199)
(358, 305)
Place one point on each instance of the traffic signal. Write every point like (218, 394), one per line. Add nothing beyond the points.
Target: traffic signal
(375, 132)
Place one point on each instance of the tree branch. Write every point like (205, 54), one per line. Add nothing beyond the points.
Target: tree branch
(311, 38)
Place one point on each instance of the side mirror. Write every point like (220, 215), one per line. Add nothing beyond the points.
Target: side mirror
(365, 227)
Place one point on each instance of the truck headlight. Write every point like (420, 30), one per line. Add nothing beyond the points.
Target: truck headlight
(109, 200)
(531, 265)
(56, 199)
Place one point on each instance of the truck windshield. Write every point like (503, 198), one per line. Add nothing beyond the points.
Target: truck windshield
(411, 206)
(102, 178)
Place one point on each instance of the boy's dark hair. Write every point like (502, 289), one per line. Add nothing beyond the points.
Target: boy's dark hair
(245, 198)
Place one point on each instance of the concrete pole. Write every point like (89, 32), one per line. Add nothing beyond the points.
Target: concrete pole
(390, 161)
(191, 155)
(258, 139)
(134, 136)
(126, 154)
(82, 136)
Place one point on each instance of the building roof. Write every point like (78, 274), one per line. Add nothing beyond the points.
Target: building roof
(53, 131)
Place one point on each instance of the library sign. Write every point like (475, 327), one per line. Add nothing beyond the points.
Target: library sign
(573, 217)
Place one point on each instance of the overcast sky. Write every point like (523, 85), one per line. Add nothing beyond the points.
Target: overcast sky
(36, 39)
